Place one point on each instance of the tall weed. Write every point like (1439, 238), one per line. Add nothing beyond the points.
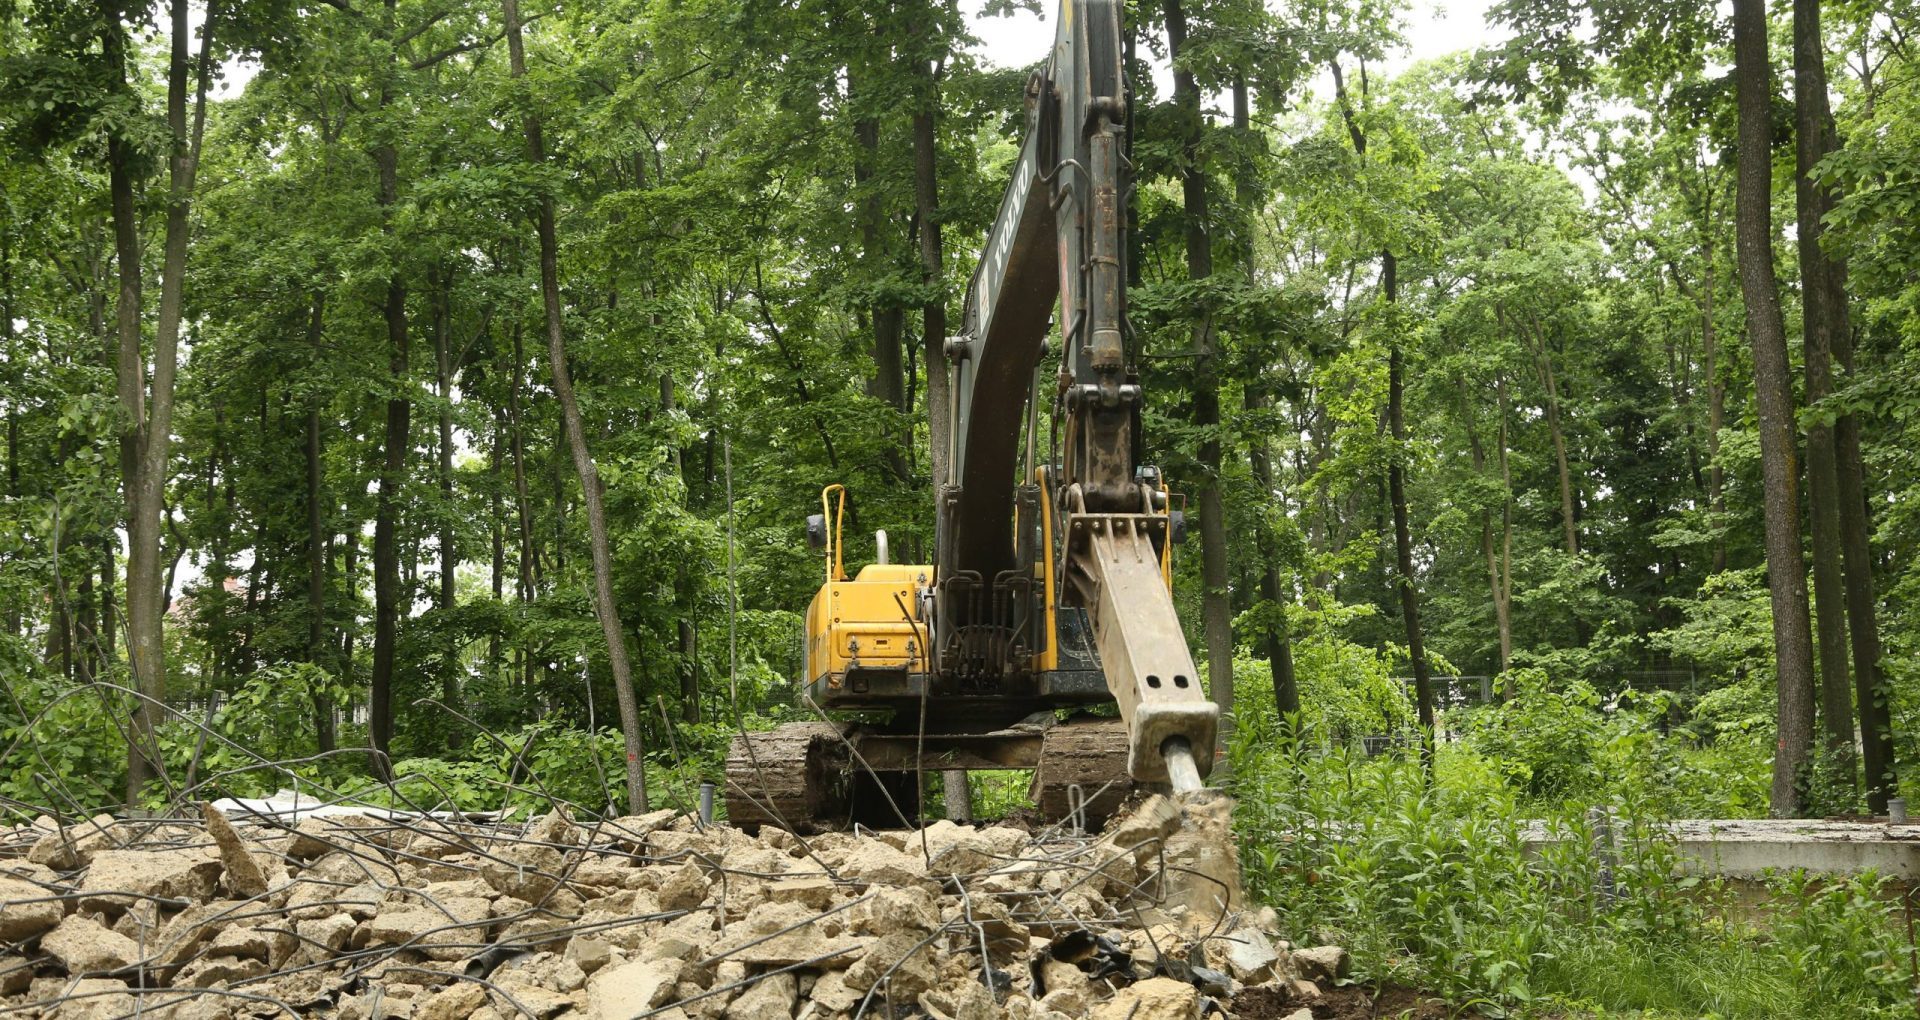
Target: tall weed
(1468, 889)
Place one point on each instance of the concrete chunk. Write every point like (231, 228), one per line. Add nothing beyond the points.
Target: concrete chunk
(64, 849)
(1322, 963)
(817, 892)
(1153, 999)
(93, 999)
(20, 919)
(627, 991)
(877, 863)
(904, 959)
(1154, 820)
(85, 946)
(684, 889)
(209, 971)
(1250, 956)
(514, 996)
(454, 1002)
(244, 875)
(116, 878)
(771, 998)
(889, 910)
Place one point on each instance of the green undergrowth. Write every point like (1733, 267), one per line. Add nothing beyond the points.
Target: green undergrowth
(1433, 885)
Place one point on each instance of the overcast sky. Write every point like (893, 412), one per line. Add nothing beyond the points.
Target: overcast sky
(1432, 29)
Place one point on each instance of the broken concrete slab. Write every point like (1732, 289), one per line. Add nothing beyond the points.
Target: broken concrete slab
(84, 946)
(90, 999)
(770, 998)
(1247, 954)
(903, 959)
(511, 998)
(244, 876)
(687, 887)
(1153, 999)
(27, 910)
(878, 863)
(457, 1001)
(64, 849)
(629, 990)
(887, 910)
(116, 878)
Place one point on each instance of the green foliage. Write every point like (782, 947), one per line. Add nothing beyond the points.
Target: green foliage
(1728, 625)
(56, 736)
(1346, 690)
(1447, 886)
(1543, 741)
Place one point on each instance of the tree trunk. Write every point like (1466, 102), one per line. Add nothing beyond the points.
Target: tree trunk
(583, 464)
(350, 575)
(689, 669)
(1818, 296)
(888, 318)
(1494, 583)
(1569, 515)
(1786, 571)
(1216, 608)
(386, 519)
(108, 625)
(1874, 699)
(1825, 289)
(956, 789)
(319, 541)
(527, 567)
(147, 404)
(443, 369)
(497, 525)
(13, 620)
(1396, 464)
(1501, 567)
(1276, 642)
(86, 627)
(1402, 530)
(1716, 397)
(933, 314)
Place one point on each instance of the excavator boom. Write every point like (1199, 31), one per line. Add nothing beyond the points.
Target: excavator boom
(1058, 244)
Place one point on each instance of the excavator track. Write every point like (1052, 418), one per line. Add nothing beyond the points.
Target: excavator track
(793, 777)
(1088, 752)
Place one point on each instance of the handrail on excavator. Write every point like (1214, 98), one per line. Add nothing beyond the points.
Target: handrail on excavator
(835, 520)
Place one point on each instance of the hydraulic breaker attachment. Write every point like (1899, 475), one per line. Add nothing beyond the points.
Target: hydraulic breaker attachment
(1114, 563)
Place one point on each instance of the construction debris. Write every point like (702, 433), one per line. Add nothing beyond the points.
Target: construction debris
(435, 918)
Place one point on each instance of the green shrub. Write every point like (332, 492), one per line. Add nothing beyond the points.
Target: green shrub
(1444, 886)
(1544, 740)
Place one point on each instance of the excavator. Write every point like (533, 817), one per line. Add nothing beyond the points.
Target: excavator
(1050, 595)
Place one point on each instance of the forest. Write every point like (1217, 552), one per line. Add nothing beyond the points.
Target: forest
(423, 393)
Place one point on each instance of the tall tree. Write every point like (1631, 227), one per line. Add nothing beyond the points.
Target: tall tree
(1820, 297)
(1828, 336)
(1773, 393)
(1275, 640)
(1216, 600)
(603, 603)
(146, 400)
(1406, 582)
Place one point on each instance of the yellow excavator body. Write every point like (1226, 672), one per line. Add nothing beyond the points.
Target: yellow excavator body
(872, 620)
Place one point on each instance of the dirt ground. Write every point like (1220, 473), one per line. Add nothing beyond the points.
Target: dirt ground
(1352, 1002)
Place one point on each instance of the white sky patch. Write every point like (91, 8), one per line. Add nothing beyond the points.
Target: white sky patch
(1432, 30)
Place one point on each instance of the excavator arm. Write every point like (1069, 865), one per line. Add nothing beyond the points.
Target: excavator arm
(1058, 243)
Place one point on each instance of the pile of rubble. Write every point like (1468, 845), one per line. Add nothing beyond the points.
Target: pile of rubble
(360, 917)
